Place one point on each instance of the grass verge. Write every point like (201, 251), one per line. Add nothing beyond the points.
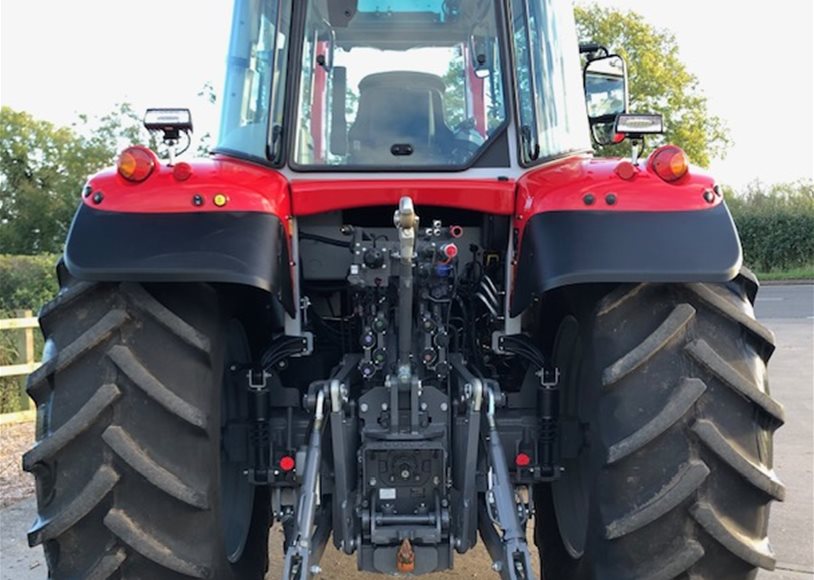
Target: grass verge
(802, 273)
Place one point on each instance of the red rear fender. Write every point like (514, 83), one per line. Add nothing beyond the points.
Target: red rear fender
(245, 187)
(588, 184)
(583, 220)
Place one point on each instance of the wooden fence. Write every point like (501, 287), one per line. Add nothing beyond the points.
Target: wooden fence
(24, 327)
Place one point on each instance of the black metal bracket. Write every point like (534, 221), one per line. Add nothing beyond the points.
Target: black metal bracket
(307, 543)
(549, 376)
(548, 402)
(328, 400)
(257, 383)
(549, 406)
(500, 510)
(465, 468)
(257, 380)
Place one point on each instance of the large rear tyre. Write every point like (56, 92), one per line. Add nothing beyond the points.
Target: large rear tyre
(131, 478)
(674, 479)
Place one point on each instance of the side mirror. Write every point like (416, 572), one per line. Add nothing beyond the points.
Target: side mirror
(605, 81)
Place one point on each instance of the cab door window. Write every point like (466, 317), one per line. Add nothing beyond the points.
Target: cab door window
(551, 107)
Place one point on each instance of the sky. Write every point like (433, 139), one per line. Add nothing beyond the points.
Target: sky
(754, 61)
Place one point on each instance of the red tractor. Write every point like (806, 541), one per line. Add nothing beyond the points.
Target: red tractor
(402, 307)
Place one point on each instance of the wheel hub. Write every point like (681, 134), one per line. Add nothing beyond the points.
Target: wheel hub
(571, 492)
(237, 493)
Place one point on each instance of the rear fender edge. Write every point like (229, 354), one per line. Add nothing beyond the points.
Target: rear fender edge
(247, 248)
(561, 248)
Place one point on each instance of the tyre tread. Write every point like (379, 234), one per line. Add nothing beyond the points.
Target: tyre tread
(683, 557)
(677, 320)
(688, 479)
(756, 552)
(101, 484)
(111, 497)
(685, 490)
(139, 460)
(762, 478)
(82, 345)
(728, 309)
(688, 391)
(80, 422)
(145, 543)
(707, 357)
(127, 362)
(107, 565)
(144, 301)
(618, 298)
(64, 298)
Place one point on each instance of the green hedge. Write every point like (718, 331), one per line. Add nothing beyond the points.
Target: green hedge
(776, 242)
(776, 225)
(26, 283)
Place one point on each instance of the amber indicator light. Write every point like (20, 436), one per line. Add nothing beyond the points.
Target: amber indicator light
(670, 163)
(136, 164)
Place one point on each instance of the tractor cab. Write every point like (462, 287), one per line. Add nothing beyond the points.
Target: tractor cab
(431, 85)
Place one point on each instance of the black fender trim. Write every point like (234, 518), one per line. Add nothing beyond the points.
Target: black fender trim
(561, 248)
(230, 247)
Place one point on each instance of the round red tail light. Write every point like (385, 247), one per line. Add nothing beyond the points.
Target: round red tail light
(287, 463)
(670, 163)
(182, 171)
(522, 460)
(136, 163)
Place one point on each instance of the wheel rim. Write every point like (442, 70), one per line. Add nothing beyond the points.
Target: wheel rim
(236, 493)
(571, 492)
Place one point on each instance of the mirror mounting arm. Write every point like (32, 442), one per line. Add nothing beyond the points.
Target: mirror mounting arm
(593, 50)
(636, 148)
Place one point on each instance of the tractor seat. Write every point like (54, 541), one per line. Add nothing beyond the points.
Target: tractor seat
(401, 111)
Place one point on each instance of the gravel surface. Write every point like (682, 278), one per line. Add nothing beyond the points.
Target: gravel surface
(15, 484)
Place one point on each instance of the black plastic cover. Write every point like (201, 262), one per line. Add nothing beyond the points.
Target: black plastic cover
(573, 247)
(234, 247)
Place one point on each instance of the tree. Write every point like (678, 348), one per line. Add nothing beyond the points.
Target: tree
(454, 97)
(658, 81)
(208, 94)
(43, 169)
(40, 166)
(114, 131)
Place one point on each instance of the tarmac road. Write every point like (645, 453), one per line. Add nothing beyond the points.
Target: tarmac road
(788, 310)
